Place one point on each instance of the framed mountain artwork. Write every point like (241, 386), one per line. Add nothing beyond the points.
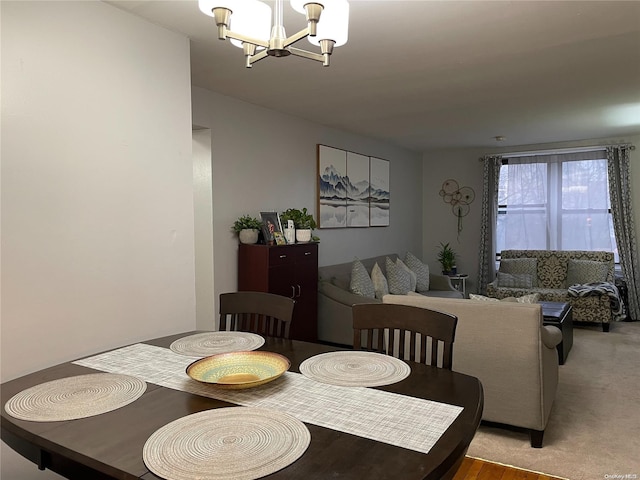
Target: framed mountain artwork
(379, 193)
(357, 187)
(353, 189)
(332, 194)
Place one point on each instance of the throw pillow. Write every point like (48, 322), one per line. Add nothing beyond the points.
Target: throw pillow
(412, 274)
(532, 298)
(515, 280)
(380, 285)
(586, 271)
(361, 283)
(527, 266)
(398, 278)
(420, 269)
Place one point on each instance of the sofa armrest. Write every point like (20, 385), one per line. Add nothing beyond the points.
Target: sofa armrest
(343, 296)
(440, 282)
(551, 336)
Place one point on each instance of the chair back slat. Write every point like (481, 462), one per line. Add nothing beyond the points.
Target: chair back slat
(257, 312)
(400, 328)
(423, 349)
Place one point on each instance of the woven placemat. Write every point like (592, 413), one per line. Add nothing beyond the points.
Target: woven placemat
(355, 369)
(76, 397)
(212, 343)
(233, 443)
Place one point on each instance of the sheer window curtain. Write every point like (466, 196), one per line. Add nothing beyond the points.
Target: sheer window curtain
(555, 202)
(491, 179)
(623, 223)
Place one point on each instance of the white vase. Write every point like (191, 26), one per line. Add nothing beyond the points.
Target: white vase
(303, 235)
(248, 235)
(290, 235)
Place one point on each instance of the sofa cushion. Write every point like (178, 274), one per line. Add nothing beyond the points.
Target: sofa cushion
(586, 271)
(361, 282)
(530, 298)
(380, 285)
(515, 280)
(398, 278)
(412, 275)
(527, 266)
(420, 269)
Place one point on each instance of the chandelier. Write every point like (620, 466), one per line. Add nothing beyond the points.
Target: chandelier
(327, 27)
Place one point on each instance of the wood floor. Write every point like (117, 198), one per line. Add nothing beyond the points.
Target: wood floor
(476, 469)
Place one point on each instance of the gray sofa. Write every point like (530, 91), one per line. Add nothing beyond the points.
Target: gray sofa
(335, 323)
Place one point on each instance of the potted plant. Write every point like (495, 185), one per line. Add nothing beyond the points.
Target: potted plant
(247, 228)
(447, 258)
(302, 221)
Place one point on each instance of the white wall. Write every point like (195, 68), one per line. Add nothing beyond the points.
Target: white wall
(97, 198)
(97, 206)
(263, 160)
(203, 227)
(463, 166)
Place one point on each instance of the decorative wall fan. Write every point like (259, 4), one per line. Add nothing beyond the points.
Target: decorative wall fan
(460, 199)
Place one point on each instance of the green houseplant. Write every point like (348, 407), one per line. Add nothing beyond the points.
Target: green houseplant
(301, 218)
(447, 258)
(247, 228)
(303, 221)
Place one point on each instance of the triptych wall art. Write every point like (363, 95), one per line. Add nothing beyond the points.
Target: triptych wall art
(353, 189)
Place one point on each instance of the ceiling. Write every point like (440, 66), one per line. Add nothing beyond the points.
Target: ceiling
(428, 75)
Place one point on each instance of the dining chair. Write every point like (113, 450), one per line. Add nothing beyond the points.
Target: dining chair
(257, 312)
(402, 331)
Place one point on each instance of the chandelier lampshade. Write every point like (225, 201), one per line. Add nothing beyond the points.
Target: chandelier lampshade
(334, 21)
(253, 19)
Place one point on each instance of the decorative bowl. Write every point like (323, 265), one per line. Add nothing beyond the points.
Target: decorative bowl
(235, 370)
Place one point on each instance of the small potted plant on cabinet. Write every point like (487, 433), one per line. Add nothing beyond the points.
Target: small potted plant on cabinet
(447, 258)
(302, 221)
(247, 228)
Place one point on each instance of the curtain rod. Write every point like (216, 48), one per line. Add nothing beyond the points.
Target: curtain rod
(531, 153)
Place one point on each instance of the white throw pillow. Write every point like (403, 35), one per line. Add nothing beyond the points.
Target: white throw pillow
(380, 285)
(531, 298)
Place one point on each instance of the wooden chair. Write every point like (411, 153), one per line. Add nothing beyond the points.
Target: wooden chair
(257, 312)
(396, 328)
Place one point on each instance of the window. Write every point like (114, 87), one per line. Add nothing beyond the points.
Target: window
(555, 202)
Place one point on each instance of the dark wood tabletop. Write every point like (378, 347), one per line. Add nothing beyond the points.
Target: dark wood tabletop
(110, 445)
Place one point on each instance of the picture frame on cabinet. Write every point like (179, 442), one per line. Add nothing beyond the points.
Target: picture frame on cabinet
(279, 238)
(270, 225)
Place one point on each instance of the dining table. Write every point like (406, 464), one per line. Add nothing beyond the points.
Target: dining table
(355, 432)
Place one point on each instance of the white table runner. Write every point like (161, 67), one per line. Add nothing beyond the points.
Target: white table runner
(386, 417)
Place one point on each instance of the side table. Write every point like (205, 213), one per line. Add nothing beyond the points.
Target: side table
(624, 295)
(459, 282)
(560, 315)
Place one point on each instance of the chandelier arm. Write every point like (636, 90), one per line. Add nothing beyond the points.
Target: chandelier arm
(245, 38)
(256, 58)
(304, 33)
(304, 53)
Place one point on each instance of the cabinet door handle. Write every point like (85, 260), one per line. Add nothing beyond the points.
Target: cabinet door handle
(307, 253)
(283, 256)
(293, 291)
(299, 291)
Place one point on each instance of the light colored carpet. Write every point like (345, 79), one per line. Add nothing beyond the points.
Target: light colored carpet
(594, 429)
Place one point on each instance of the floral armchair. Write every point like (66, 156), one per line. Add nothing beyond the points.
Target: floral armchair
(551, 273)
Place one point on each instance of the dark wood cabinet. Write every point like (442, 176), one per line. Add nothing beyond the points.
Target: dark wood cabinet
(289, 270)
